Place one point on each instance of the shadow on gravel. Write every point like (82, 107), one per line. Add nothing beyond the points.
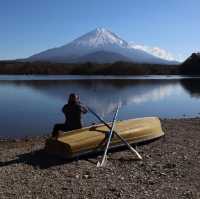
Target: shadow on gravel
(37, 159)
(40, 159)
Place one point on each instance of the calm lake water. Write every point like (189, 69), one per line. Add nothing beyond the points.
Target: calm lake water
(31, 105)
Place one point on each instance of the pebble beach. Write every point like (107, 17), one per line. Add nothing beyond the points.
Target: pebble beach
(170, 169)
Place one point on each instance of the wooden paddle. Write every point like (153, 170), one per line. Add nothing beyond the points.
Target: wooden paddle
(103, 162)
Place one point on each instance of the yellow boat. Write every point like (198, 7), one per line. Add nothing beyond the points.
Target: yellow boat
(91, 139)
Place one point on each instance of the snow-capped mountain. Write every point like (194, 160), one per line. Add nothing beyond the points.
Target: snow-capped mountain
(98, 40)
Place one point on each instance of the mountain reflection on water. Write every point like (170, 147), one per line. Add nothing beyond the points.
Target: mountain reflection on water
(32, 107)
(192, 86)
(103, 95)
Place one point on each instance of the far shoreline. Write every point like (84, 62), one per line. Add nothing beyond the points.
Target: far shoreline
(88, 68)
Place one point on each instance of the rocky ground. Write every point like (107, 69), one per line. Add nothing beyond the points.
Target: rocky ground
(170, 169)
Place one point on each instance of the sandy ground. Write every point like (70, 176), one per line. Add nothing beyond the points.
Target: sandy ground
(170, 169)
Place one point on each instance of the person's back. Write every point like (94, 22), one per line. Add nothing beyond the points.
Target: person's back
(73, 119)
(72, 111)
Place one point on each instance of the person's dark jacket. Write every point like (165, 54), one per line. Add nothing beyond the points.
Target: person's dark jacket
(73, 114)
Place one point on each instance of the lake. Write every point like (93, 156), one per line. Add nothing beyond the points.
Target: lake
(30, 105)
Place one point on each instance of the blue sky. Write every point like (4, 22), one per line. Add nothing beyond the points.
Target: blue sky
(31, 26)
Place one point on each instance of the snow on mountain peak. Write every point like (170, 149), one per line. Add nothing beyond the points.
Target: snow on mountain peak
(98, 38)
(100, 30)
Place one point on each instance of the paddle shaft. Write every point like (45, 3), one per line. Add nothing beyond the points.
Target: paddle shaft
(110, 136)
(121, 138)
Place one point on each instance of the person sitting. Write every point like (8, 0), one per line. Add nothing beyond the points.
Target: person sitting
(73, 111)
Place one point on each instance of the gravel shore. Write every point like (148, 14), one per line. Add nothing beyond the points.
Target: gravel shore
(170, 169)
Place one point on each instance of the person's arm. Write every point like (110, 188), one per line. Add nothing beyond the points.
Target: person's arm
(83, 109)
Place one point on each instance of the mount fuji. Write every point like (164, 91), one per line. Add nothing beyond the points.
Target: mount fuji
(100, 46)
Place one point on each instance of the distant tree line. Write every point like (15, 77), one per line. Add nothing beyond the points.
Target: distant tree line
(117, 68)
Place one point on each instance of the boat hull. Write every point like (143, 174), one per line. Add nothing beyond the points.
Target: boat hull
(92, 139)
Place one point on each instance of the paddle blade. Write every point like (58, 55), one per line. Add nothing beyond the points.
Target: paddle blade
(137, 154)
(103, 163)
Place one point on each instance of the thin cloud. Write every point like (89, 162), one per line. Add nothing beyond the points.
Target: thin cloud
(156, 51)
